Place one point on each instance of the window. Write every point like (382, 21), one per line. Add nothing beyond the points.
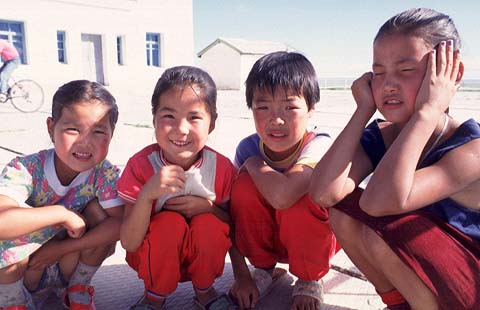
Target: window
(153, 49)
(120, 46)
(14, 33)
(61, 47)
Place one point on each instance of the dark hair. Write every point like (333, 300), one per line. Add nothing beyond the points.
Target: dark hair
(289, 70)
(430, 25)
(187, 76)
(83, 91)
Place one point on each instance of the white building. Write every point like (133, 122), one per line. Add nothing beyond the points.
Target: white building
(124, 44)
(229, 61)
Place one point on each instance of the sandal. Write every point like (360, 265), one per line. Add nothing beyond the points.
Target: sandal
(266, 282)
(139, 305)
(76, 306)
(221, 302)
(313, 289)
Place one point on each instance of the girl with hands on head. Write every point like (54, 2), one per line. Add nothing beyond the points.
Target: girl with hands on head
(414, 230)
(177, 194)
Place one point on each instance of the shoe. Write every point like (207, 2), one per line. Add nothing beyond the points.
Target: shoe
(312, 289)
(76, 306)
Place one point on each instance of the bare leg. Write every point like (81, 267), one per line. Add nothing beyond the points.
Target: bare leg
(13, 272)
(94, 215)
(349, 232)
(400, 275)
(11, 284)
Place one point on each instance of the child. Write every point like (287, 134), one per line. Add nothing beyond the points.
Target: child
(177, 193)
(415, 230)
(43, 194)
(275, 219)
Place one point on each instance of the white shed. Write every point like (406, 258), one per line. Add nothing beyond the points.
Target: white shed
(229, 61)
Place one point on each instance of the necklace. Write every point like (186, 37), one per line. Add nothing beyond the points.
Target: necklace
(437, 140)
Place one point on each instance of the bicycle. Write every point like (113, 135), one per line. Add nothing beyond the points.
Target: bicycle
(25, 95)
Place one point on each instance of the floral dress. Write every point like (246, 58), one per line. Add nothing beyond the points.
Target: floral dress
(32, 182)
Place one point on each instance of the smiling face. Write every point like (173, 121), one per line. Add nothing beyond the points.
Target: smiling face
(281, 119)
(182, 124)
(81, 136)
(399, 65)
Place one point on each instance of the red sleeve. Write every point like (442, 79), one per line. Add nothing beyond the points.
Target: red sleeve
(133, 177)
(226, 173)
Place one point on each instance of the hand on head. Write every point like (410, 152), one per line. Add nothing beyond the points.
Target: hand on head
(442, 78)
(362, 92)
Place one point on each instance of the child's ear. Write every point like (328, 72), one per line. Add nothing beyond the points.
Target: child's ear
(50, 126)
(213, 120)
(311, 111)
(212, 126)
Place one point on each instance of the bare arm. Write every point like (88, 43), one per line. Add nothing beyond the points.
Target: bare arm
(345, 164)
(281, 190)
(16, 221)
(105, 232)
(136, 219)
(189, 206)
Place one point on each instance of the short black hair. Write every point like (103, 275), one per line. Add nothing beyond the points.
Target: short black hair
(289, 70)
(78, 91)
(187, 76)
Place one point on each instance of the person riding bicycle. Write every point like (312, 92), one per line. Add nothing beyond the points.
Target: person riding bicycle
(11, 60)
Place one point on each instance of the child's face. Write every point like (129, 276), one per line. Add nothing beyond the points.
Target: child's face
(281, 120)
(81, 137)
(182, 124)
(399, 65)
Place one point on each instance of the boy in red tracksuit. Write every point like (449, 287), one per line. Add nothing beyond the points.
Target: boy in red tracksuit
(275, 219)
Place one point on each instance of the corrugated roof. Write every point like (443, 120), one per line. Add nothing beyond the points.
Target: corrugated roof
(248, 47)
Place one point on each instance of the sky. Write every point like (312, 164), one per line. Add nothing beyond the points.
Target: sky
(335, 35)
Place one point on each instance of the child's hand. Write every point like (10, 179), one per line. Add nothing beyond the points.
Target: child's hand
(245, 292)
(362, 93)
(168, 180)
(188, 206)
(441, 79)
(74, 223)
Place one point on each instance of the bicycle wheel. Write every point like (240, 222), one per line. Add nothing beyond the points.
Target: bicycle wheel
(26, 96)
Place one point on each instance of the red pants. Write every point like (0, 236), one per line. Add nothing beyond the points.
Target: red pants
(445, 259)
(300, 235)
(175, 250)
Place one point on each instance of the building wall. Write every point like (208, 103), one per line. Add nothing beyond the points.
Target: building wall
(131, 19)
(246, 66)
(223, 63)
